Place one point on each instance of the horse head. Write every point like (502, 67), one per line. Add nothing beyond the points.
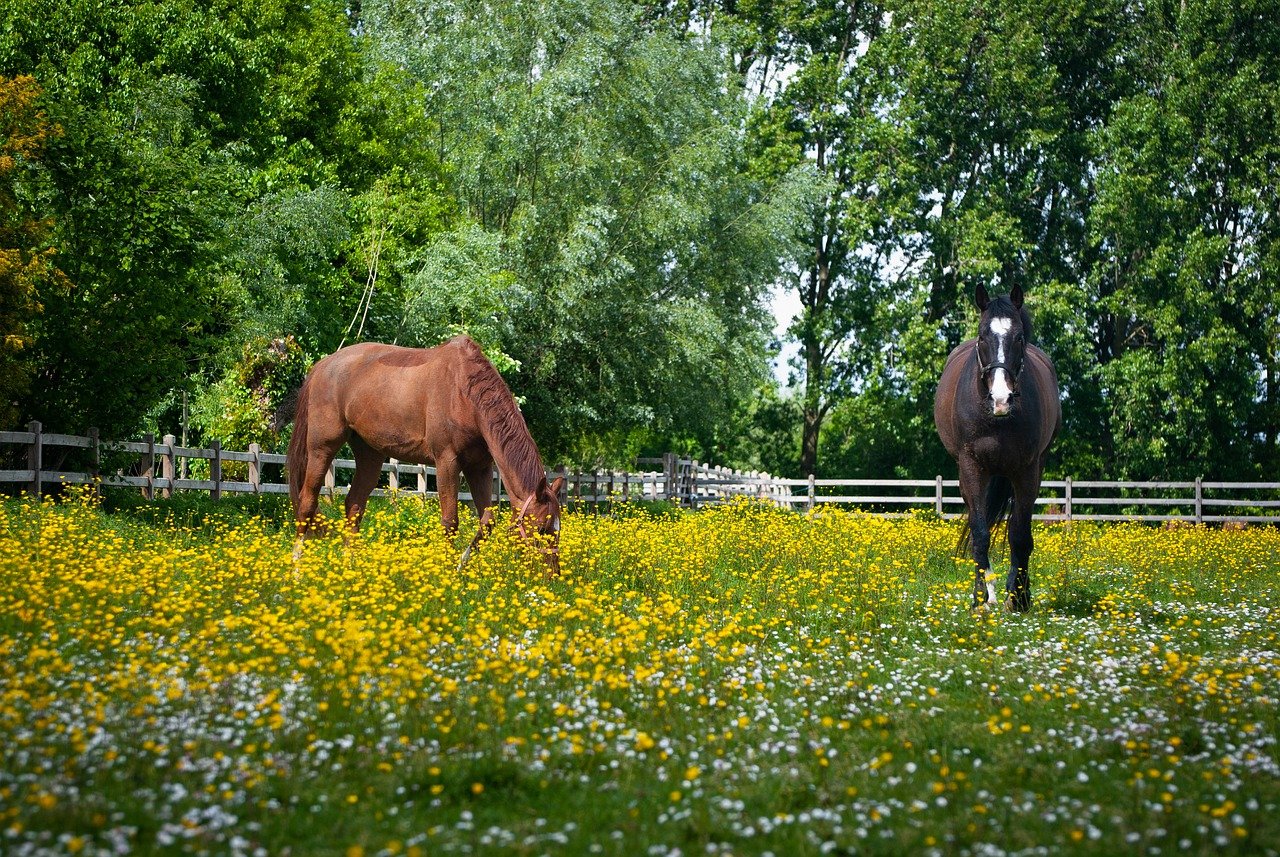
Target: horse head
(540, 514)
(1002, 344)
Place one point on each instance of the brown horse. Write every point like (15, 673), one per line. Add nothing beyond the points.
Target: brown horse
(997, 411)
(445, 406)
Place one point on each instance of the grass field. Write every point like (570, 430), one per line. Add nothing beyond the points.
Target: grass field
(736, 681)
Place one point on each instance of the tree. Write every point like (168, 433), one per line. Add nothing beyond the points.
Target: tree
(996, 106)
(618, 247)
(27, 266)
(219, 174)
(814, 104)
(1181, 309)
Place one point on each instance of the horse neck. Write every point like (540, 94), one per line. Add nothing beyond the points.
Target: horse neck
(518, 461)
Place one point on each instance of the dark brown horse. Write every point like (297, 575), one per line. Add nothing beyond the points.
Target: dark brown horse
(997, 411)
(445, 406)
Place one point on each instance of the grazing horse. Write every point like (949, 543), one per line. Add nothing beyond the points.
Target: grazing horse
(445, 406)
(997, 411)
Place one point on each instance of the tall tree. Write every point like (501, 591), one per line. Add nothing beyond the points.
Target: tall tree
(814, 99)
(27, 266)
(618, 249)
(228, 173)
(997, 105)
(1182, 311)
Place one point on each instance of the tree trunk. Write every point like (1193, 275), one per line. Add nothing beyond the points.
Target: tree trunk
(809, 443)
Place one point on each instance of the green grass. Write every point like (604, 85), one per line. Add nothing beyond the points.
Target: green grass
(738, 680)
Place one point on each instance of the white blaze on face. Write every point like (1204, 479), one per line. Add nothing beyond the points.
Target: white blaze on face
(1001, 390)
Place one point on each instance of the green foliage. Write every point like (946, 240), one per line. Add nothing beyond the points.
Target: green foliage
(603, 193)
(244, 405)
(1112, 159)
(618, 247)
(27, 266)
(212, 187)
(1183, 309)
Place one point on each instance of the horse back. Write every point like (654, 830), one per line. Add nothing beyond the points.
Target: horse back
(409, 403)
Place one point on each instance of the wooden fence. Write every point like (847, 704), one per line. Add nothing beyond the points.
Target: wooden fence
(163, 467)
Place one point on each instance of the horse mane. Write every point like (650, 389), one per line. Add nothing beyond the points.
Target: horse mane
(1003, 306)
(499, 416)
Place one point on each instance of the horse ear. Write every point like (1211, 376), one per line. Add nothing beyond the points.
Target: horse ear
(556, 486)
(981, 298)
(1016, 296)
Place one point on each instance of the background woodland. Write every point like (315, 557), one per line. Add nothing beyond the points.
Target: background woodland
(197, 200)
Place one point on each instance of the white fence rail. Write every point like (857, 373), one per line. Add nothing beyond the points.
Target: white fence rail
(164, 467)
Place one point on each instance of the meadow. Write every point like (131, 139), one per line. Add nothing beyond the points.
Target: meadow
(739, 680)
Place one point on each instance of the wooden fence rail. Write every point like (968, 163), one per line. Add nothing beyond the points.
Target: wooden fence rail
(164, 468)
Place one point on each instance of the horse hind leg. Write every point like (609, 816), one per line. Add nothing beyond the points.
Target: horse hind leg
(368, 472)
(313, 460)
(307, 508)
(1021, 544)
(306, 513)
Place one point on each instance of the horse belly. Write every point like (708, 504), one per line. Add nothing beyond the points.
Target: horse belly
(397, 433)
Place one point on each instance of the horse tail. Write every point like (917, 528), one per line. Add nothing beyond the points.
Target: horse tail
(995, 508)
(999, 499)
(297, 455)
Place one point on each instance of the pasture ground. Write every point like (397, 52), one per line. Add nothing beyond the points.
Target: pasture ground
(734, 681)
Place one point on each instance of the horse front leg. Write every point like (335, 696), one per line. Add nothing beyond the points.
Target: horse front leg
(1021, 544)
(447, 470)
(973, 487)
(480, 480)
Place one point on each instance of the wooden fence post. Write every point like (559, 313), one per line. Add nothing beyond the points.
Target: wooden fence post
(167, 466)
(422, 480)
(1068, 497)
(669, 475)
(149, 466)
(937, 494)
(1199, 500)
(812, 493)
(255, 468)
(35, 457)
(96, 453)
(393, 478)
(331, 479)
(215, 469)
